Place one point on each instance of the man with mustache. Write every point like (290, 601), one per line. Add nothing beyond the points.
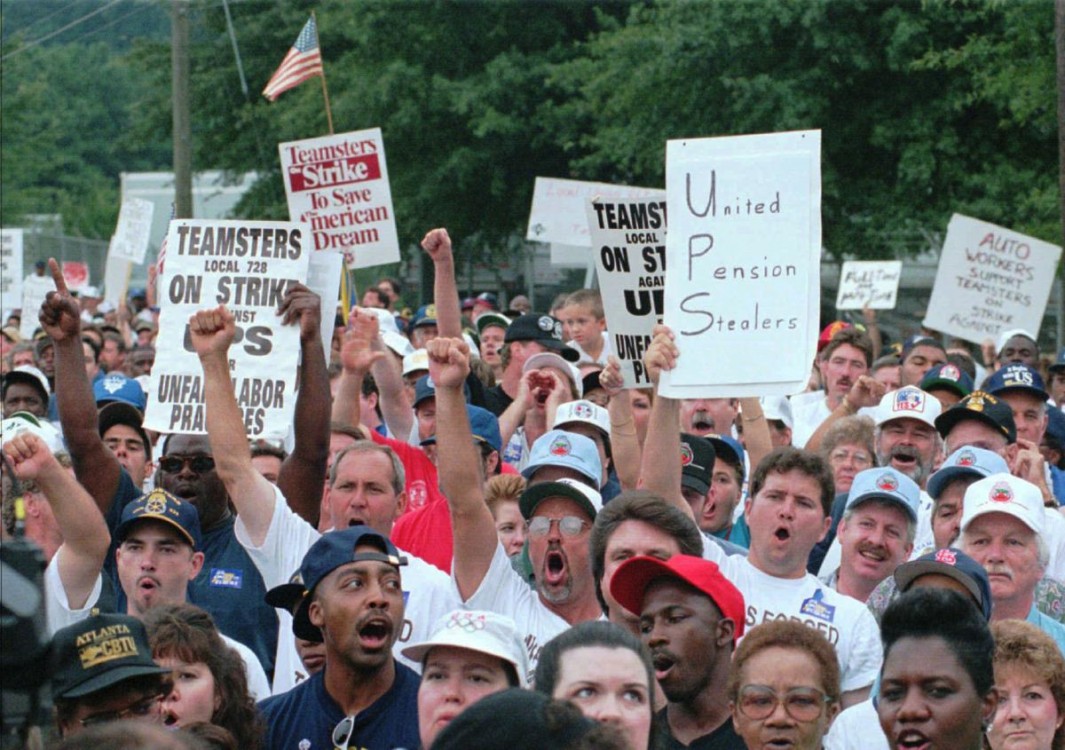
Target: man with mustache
(877, 530)
(690, 618)
(847, 357)
(1002, 528)
(353, 603)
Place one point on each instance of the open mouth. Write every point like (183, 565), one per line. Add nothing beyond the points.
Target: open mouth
(170, 720)
(554, 568)
(701, 422)
(782, 534)
(375, 634)
(781, 742)
(913, 741)
(663, 664)
(147, 584)
(355, 522)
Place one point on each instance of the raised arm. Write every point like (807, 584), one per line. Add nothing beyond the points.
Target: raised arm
(94, 465)
(660, 471)
(437, 245)
(212, 332)
(357, 357)
(303, 472)
(624, 442)
(459, 466)
(392, 396)
(866, 391)
(85, 535)
(756, 438)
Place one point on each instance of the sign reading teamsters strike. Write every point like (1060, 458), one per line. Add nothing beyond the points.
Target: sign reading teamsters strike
(338, 186)
(743, 258)
(247, 266)
(629, 246)
(990, 279)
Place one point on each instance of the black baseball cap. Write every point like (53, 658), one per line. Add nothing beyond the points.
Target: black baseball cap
(697, 458)
(545, 330)
(98, 652)
(121, 412)
(983, 407)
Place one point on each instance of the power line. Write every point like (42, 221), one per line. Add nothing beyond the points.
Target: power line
(70, 25)
(143, 7)
(58, 10)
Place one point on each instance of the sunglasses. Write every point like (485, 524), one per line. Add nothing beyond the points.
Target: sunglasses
(342, 733)
(567, 525)
(174, 464)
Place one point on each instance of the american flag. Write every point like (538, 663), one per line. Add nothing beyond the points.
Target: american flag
(303, 61)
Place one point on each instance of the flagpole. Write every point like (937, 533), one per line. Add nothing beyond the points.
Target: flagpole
(325, 89)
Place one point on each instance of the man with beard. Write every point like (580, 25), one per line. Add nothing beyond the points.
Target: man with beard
(353, 603)
(847, 357)
(690, 619)
(559, 506)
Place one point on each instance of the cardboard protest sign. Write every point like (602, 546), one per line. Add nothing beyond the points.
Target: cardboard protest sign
(338, 186)
(323, 278)
(629, 246)
(873, 283)
(116, 277)
(10, 267)
(34, 290)
(990, 279)
(134, 228)
(743, 263)
(558, 208)
(247, 266)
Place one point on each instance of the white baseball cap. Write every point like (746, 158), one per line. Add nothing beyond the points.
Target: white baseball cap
(583, 411)
(779, 408)
(416, 360)
(476, 630)
(23, 421)
(390, 334)
(1004, 493)
(908, 402)
(550, 359)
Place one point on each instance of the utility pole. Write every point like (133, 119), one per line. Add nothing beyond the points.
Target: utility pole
(179, 73)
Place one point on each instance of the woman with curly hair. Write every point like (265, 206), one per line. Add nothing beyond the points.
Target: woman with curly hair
(1030, 678)
(210, 683)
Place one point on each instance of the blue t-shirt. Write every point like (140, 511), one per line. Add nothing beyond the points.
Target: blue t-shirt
(1053, 628)
(229, 587)
(304, 718)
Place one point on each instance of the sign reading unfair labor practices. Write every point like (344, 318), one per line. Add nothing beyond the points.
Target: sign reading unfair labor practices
(743, 263)
(990, 279)
(134, 227)
(246, 266)
(873, 283)
(558, 208)
(338, 186)
(629, 246)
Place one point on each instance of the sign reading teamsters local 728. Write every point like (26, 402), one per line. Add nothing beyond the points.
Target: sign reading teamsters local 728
(338, 186)
(629, 246)
(247, 266)
(990, 279)
(743, 263)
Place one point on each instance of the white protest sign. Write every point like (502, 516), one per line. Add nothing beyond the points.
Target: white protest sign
(116, 277)
(34, 290)
(558, 209)
(629, 246)
(338, 186)
(134, 227)
(990, 279)
(247, 266)
(873, 283)
(323, 278)
(10, 267)
(743, 261)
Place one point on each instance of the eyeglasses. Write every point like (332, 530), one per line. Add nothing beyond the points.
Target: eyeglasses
(567, 525)
(859, 457)
(342, 733)
(758, 702)
(174, 464)
(142, 708)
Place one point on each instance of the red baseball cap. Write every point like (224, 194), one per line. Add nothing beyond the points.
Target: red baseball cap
(831, 330)
(632, 578)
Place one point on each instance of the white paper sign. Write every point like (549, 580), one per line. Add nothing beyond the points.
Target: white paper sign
(872, 283)
(116, 277)
(323, 278)
(990, 279)
(34, 290)
(247, 266)
(10, 267)
(134, 228)
(743, 263)
(629, 246)
(558, 216)
(338, 186)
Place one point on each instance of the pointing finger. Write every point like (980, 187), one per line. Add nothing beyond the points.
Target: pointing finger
(57, 276)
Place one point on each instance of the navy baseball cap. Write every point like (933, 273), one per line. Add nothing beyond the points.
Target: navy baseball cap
(952, 563)
(697, 458)
(949, 377)
(885, 483)
(544, 330)
(115, 386)
(160, 505)
(1059, 363)
(425, 316)
(967, 461)
(1055, 426)
(423, 389)
(728, 449)
(983, 407)
(333, 549)
(483, 424)
(1016, 377)
(120, 412)
(489, 299)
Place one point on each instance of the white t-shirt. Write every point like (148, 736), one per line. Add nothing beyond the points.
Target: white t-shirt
(846, 623)
(857, 728)
(808, 411)
(427, 590)
(585, 357)
(60, 615)
(504, 591)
